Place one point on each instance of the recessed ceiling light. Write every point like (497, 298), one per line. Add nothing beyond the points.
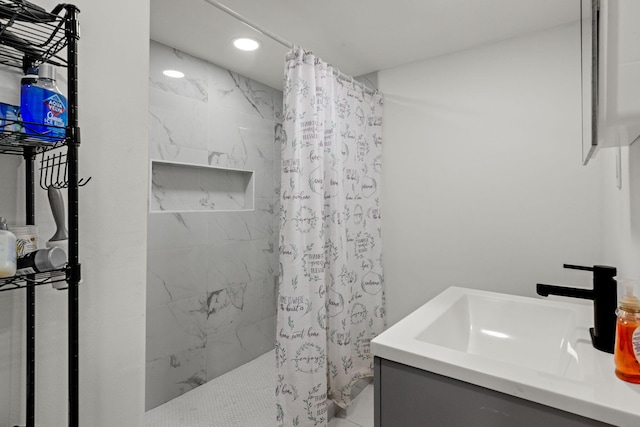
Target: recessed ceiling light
(173, 73)
(244, 43)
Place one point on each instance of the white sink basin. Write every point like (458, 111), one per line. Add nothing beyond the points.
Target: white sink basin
(530, 333)
(533, 348)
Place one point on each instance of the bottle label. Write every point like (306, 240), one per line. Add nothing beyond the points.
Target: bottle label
(26, 245)
(635, 343)
(54, 111)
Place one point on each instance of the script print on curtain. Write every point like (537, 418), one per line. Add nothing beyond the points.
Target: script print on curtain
(331, 296)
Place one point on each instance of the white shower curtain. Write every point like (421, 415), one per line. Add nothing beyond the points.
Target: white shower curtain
(331, 297)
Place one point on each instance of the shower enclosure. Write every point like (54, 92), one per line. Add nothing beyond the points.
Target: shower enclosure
(213, 222)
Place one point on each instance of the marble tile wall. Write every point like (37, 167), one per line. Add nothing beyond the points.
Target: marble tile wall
(211, 276)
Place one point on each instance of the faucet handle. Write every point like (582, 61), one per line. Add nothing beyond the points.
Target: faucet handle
(599, 270)
(577, 267)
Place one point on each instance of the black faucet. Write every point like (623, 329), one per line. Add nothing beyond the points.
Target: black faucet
(605, 301)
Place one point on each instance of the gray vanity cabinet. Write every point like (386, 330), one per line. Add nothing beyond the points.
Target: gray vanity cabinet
(406, 396)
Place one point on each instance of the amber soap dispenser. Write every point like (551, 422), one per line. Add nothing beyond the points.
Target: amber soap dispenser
(627, 346)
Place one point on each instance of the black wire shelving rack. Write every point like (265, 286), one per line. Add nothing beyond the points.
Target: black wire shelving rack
(30, 36)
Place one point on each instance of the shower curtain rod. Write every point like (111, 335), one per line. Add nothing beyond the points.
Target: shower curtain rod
(280, 40)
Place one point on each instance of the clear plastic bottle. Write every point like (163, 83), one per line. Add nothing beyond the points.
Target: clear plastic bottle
(43, 106)
(627, 347)
(7, 250)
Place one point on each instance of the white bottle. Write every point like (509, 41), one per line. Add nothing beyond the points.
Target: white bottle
(7, 250)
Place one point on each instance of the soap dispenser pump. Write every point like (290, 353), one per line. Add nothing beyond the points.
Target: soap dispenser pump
(627, 346)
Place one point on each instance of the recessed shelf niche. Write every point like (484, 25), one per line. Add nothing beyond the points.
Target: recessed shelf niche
(185, 187)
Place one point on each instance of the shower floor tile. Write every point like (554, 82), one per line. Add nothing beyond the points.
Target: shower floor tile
(245, 397)
(359, 413)
(242, 397)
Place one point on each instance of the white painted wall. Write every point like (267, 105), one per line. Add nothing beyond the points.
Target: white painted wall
(483, 184)
(113, 91)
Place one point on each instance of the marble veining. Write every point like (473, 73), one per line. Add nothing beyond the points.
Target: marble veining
(177, 120)
(212, 276)
(235, 92)
(172, 281)
(175, 374)
(245, 91)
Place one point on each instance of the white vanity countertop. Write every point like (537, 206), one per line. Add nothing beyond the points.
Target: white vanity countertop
(585, 384)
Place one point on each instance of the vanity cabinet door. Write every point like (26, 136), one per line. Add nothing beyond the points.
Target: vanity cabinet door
(406, 396)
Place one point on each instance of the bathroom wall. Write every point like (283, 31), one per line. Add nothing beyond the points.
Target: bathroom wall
(211, 276)
(483, 185)
(113, 113)
(425, 193)
(621, 207)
